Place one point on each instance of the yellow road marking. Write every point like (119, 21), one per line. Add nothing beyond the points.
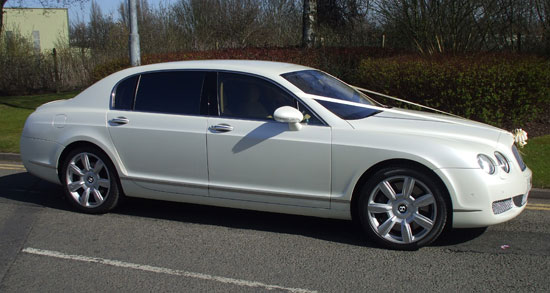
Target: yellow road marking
(539, 205)
(537, 208)
(15, 169)
(12, 167)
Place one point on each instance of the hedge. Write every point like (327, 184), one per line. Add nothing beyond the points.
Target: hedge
(502, 90)
(342, 62)
(505, 90)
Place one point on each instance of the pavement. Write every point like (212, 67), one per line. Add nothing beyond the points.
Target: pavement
(535, 192)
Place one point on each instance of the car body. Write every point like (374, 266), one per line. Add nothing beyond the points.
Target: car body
(275, 137)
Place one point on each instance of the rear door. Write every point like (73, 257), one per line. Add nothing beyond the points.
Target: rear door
(159, 132)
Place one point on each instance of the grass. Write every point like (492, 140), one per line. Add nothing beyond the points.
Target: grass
(14, 110)
(536, 155)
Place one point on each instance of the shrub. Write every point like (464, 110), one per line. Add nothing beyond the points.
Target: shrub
(502, 90)
(327, 58)
(102, 70)
(28, 71)
(23, 70)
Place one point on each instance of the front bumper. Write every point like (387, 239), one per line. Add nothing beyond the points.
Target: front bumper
(481, 200)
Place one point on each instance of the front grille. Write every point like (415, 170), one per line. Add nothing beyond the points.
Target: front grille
(501, 206)
(518, 158)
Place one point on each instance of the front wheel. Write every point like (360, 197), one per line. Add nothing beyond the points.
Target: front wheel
(90, 181)
(402, 208)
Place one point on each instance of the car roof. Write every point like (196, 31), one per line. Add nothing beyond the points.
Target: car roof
(265, 68)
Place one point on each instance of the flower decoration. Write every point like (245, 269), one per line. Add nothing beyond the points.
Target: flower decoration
(520, 137)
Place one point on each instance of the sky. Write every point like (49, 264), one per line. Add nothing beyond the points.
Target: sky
(79, 12)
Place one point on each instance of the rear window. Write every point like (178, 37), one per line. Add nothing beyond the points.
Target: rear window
(124, 94)
(176, 92)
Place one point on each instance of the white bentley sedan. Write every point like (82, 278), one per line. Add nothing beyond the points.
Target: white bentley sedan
(275, 137)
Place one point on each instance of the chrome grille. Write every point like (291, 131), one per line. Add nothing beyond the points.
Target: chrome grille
(518, 157)
(501, 206)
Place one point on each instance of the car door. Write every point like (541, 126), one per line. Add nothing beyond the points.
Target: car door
(251, 157)
(159, 133)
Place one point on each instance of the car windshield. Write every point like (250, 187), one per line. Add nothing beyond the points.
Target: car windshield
(321, 84)
(348, 112)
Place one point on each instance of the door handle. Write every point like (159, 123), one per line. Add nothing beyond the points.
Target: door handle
(221, 127)
(119, 121)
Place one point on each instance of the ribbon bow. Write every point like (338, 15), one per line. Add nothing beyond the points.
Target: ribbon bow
(520, 137)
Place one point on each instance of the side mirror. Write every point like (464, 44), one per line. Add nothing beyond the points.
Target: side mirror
(289, 115)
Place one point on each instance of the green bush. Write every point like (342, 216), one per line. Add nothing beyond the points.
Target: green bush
(107, 68)
(502, 90)
(23, 69)
(341, 62)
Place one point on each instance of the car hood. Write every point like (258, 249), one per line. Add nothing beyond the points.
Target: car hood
(430, 125)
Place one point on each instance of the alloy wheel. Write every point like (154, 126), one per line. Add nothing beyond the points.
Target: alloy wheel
(88, 180)
(401, 209)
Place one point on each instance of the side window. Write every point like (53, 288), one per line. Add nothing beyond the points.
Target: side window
(309, 118)
(248, 97)
(176, 92)
(123, 98)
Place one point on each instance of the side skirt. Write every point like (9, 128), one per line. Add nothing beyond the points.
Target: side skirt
(132, 189)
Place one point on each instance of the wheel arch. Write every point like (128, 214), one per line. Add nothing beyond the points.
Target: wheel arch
(83, 143)
(115, 192)
(402, 163)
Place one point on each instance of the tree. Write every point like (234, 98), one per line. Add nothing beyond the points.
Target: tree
(344, 22)
(435, 26)
(310, 19)
(44, 3)
(2, 3)
(543, 12)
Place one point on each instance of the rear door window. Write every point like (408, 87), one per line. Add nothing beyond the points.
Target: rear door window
(174, 92)
(124, 94)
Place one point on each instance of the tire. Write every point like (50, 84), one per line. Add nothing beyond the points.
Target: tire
(402, 208)
(90, 181)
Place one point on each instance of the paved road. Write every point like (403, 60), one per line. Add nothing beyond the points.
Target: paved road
(157, 246)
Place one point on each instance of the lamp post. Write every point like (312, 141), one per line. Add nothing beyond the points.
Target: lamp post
(135, 55)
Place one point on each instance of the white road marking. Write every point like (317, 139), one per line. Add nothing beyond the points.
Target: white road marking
(160, 270)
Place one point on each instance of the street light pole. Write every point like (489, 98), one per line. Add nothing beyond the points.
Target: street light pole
(135, 55)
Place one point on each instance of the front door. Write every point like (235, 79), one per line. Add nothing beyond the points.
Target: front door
(252, 157)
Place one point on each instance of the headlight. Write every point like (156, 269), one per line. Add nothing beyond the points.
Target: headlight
(486, 164)
(502, 162)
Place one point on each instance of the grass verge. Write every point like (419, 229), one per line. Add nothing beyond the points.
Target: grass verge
(14, 111)
(536, 155)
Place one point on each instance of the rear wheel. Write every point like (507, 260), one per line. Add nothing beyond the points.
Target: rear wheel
(90, 181)
(402, 208)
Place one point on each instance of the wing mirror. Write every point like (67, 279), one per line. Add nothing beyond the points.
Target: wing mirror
(289, 115)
